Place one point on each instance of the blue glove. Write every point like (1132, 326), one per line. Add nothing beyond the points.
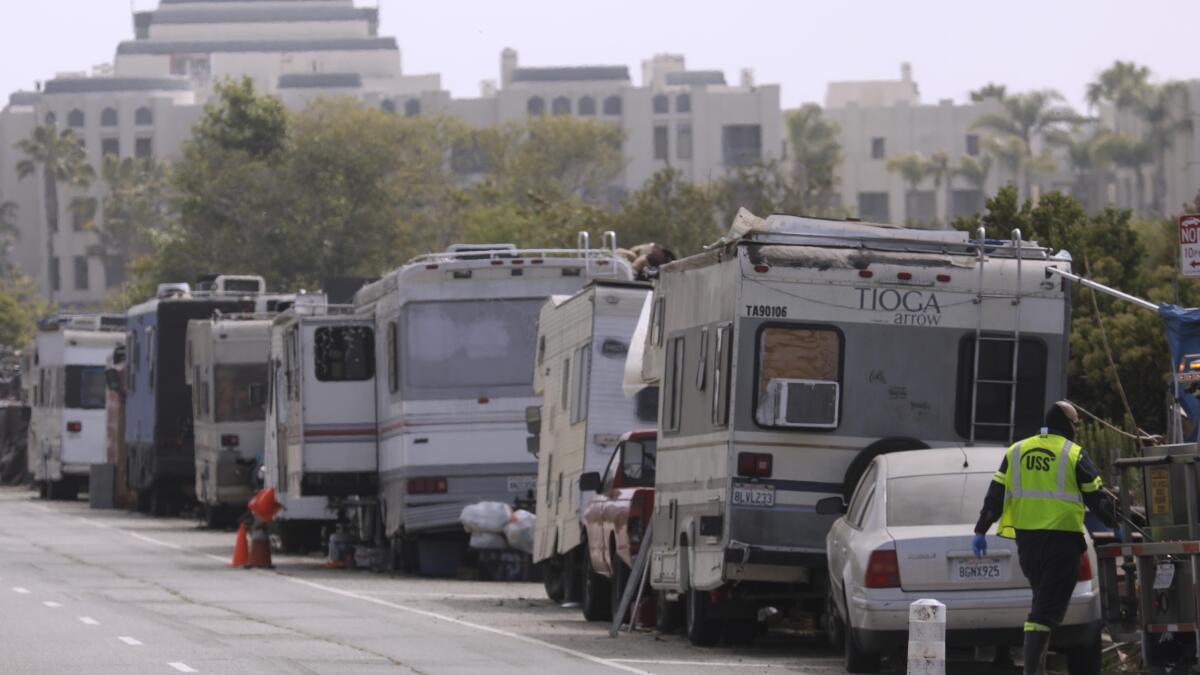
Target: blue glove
(1119, 533)
(979, 545)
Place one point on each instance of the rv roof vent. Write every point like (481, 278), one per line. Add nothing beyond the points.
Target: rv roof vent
(175, 290)
(229, 284)
(481, 251)
(84, 322)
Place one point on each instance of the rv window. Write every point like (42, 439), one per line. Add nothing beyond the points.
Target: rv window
(995, 365)
(799, 373)
(135, 353)
(564, 392)
(549, 472)
(541, 357)
(344, 353)
(637, 463)
(673, 394)
(722, 364)
(85, 387)
(197, 411)
(205, 406)
(702, 365)
(579, 390)
(151, 348)
(239, 392)
(646, 403)
(393, 359)
(470, 348)
(657, 318)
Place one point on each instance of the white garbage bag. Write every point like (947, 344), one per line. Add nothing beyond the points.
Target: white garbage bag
(519, 531)
(486, 517)
(488, 541)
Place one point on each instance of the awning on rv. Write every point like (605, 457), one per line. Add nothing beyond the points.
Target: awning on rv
(746, 223)
(1182, 327)
(822, 258)
(632, 381)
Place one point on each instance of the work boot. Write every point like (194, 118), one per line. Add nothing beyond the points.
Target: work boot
(1037, 642)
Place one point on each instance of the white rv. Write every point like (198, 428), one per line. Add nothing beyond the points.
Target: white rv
(455, 351)
(320, 428)
(225, 365)
(795, 350)
(68, 393)
(582, 344)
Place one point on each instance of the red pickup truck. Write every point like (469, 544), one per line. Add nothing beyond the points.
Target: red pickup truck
(615, 519)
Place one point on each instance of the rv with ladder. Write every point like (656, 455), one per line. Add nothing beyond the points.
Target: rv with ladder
(455, 348)
(795, 350)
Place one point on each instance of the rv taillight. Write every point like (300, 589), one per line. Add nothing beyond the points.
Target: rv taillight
(602, 263)
(230, 440)
(539, 261)
(755, 464)
(518, 261)
(431, 267)
(497, 262)
(427, 486)
(762, 269)
(904, 276)
(74, 427)
(866, 274)
(1085, 567)
(883, 570)
(483, 400)
(944, 278)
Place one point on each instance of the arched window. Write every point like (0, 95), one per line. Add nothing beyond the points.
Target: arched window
(388, 105)
(662, 104)
(144, 117)
(612, 105)
(536, 106)
(412, 107)
(561, 106)
(75, 119)
(683, 103)
(108, 117)
(50, 118)
(587, 106)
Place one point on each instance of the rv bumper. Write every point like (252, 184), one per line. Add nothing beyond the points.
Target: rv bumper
(757, 563)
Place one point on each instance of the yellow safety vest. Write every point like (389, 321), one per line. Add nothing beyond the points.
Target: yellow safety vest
(1041, 490)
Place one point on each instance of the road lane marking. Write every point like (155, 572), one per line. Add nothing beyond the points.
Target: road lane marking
(87, 620)
(182, 667)
(132, 642)
(52, 604)
(467, 624)
(700, 664)
(22, 591)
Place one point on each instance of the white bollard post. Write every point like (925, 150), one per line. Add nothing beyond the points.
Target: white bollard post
(926, 638)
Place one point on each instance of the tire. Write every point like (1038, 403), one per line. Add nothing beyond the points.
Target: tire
(834, 628)
(740, 633)
(857, 660)
(595, 603)
(858, 466)
(554, 579)
(702, 629)
(218, 517)
(668, 616)
(1086, 659)
(617, 583)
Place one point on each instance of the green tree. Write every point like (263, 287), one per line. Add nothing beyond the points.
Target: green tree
(8, 232)
(670, 211)
(1028, 117)
(817, 153)
(1163, 111)
(554, 156)
(1122, 85)
(914, 169)
(975, 170)
(240, 119)
(20, 308)
(763, 188)
(989, 90)
(62, 162)
(1087, 150)
(1134, 155)
(938, 168)
(136, 205)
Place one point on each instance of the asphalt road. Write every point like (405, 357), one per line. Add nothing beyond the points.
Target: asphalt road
(86, 591)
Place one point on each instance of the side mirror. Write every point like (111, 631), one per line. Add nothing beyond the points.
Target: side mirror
(533, 445)
(112, 378)
(590, 482)
(831, 506)
(533, 420)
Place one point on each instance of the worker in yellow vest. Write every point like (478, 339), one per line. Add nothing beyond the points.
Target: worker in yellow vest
(1038, 495)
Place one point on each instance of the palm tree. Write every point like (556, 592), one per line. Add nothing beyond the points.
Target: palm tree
(938, 167)
(1087, 153)
(1028, 117)
(135, 204)
(913, 169)
(989, 90)
(1133, 154)
(817, 151)
(61, 159)
(1122, 84)
(975, 171)
(1009, 151)
(1163, 111)
(8, 232)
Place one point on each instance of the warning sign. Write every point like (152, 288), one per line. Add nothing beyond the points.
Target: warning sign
(1189, 245)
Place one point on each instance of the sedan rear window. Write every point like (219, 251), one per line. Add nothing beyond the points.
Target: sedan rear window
(947, 499)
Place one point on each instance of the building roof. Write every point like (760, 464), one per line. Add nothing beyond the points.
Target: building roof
(696, 77)
(84, 85)
(24, 98)
(320, 81)
(572, 74)
(246, 46)
(281, 14)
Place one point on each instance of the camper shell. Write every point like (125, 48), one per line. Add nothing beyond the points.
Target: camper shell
(320, 445)
(793, 351)
(225, 365)
(456, 341)
(68, 424)
(582, 343)
(159, 442)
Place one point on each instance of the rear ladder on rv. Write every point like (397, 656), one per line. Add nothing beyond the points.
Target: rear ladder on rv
(1012, 337)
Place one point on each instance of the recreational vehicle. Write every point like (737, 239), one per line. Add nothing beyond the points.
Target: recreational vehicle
(160, 460)
(68, 394)
(795, 350)
(582, 343)
(456, 341)
(320, 427)
(225, 364)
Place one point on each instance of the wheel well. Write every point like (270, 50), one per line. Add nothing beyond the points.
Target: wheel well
(858, 466)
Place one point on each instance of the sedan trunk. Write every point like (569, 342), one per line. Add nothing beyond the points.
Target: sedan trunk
(939, 558)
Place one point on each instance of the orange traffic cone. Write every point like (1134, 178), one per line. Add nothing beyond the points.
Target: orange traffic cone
(240, 554)
(260, 548)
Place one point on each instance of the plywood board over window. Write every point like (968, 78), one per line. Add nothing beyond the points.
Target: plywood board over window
(794, 354)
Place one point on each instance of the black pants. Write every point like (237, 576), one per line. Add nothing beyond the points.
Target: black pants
(1050, 560)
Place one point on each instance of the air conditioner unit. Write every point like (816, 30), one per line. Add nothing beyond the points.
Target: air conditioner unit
(805, 403)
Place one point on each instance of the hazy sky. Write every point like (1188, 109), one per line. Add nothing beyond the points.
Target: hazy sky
(953, 45)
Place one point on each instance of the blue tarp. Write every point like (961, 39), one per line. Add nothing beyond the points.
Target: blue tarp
(1183, 336)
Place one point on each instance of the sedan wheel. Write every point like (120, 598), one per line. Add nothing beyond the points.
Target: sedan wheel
(702, 629)
(857, 659)
(595, 591)
(617, 583)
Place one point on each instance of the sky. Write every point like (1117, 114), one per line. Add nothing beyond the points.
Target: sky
(953, 45)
